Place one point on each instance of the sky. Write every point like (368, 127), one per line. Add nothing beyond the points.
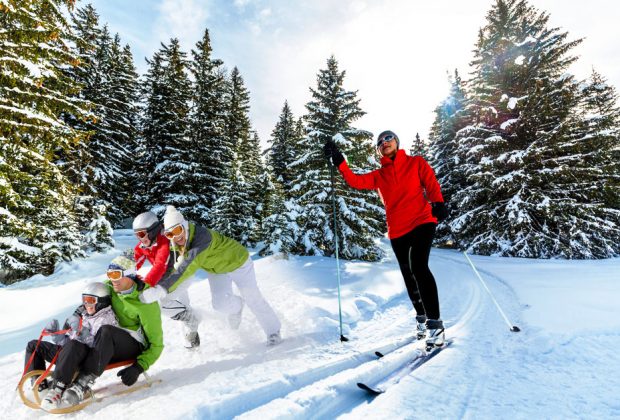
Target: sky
(397, 54)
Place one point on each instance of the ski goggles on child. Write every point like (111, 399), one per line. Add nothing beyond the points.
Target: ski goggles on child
(174, 231)
(89, 300)
(114, 274)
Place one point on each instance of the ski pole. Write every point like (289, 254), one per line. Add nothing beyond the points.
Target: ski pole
(512, 327)
(331, 169)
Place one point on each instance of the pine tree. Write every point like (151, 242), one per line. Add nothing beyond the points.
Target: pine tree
(124, 105)
(524, 145)
(36, 200)
(169, 151)
(245, 162)
(102, 166)
(232, 206)
(208, 128)
(276, 227)
(253, 168)
(418, 148)
(449, 119)
(331, 112)
(281, 153)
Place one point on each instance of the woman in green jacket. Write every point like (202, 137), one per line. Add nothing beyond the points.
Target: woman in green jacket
(226, 261)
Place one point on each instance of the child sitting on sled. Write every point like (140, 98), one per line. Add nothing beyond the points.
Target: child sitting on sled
(72, 344)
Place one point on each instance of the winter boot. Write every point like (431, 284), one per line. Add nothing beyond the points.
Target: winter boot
(274, 339)
(436, 335)
(421, 327)
(192, 339)
(80, 389)
(234, 320)
(190, 324)
(53, 397)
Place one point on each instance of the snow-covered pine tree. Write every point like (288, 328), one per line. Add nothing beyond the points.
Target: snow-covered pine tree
(100, 166)
(281, 152)
(208, 125)
(36, 200)
(331, 113)
(419, 147)
(124, 124)
(244, 164)
(232, 205)
(449, 119)
(277, 234)
(170, 162)
(522, 145)
(253, 168)
(601, 123)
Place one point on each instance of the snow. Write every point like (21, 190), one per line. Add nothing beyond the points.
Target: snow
(508, 123)
(512, 103)
(553, 368)
(519, 60)
(15, 244)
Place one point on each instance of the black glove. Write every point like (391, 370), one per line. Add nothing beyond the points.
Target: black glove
(331, 152)
(440, 211)
(129, 375)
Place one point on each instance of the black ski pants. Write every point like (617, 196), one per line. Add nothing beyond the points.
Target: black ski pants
(412, 251)
(45, 353)
(112, 344)
(70, 357)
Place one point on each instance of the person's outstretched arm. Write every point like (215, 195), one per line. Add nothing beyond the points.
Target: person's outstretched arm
(360, 182)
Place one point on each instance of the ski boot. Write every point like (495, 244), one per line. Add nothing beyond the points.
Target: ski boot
(421, 327)
(79, 390)
(274, 339)
(54, 397)
(436, 335)
(234, 320)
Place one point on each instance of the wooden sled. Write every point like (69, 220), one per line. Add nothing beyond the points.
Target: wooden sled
(36, 403)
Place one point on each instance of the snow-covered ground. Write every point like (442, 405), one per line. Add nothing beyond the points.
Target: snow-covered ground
(563, 364)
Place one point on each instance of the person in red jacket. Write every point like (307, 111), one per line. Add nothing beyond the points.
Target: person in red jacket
(155, 248)
(413, 205)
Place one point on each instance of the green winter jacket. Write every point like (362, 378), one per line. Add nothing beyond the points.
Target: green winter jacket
(141, 318)
(206, 249)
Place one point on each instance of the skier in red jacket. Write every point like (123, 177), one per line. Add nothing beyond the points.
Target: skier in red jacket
(413, 204)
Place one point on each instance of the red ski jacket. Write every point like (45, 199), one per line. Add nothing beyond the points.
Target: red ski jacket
(402, 184)
(158, 255)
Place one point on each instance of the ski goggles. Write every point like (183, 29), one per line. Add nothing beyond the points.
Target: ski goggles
(385, 139)
(114, 274)
(89, 300)
(141, 233)
(174, 231)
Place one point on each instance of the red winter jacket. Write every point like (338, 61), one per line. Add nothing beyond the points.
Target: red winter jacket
(158, 255)
(401, 183)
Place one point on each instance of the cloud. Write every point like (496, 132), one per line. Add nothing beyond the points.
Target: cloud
(182, 19)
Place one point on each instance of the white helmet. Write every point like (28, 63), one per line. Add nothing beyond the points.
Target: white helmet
(101, 292)
(147, 221)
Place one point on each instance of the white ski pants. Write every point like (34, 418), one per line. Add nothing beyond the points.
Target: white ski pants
(225, 301)
(175, 305)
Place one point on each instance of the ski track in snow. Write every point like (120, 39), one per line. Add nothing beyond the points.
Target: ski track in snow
(487, 372)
